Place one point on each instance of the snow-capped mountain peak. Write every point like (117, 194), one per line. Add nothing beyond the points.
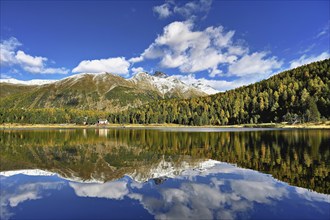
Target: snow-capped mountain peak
(165, 83)
(162, 83)
(159, 81)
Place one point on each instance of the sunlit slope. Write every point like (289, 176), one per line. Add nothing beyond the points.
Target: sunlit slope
(102, 91)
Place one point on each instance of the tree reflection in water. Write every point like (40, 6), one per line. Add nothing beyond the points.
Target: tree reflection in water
(298, 157)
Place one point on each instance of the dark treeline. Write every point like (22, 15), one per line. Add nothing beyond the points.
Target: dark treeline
(297, 95)
(50, 116)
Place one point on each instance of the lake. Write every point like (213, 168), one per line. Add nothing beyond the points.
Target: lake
(189, 173)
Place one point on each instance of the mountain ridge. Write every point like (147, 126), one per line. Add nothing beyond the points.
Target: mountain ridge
(98, 91)
(157, 74)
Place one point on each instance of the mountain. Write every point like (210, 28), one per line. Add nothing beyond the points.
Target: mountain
(298, 95)
(88, 91)
(167, 86)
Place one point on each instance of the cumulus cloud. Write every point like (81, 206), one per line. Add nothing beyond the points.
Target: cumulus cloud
(182, 47)
(7, 51)
(179, 46)
(29, 60)
(117, 65)
(193, 8)
(136, 59)
(304, 59)
(136, 70)
(189, 10)
(163, 11)
(255, 63)
(32, 64)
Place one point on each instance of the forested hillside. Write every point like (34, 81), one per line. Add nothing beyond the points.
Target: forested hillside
(297, 95)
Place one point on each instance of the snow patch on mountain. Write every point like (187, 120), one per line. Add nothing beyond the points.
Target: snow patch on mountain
(168, 169)
(32, 82)
(205, 88)
(159, 80)
(163, 83)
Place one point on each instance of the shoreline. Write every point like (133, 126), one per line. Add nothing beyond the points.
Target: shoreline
(325, 125)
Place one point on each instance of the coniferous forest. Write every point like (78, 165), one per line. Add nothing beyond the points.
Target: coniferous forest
(295, 96)
(298, 95)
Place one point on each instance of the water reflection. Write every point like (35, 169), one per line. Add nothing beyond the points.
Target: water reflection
(298, 157)
(209, 190)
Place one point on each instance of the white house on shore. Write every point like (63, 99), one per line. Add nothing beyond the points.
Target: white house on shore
(102, 122)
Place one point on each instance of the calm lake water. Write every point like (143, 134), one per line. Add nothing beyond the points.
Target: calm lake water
(165, 173)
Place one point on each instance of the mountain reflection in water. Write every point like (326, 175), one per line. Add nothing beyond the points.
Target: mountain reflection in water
(298, 157)
(210, 190)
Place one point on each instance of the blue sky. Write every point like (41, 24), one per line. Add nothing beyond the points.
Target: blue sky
(222, 43)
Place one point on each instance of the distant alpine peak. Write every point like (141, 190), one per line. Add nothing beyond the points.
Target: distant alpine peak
(160, 74)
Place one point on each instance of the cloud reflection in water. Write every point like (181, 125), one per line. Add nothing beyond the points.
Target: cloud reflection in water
(222, 191)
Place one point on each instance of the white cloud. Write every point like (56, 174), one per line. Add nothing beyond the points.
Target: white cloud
(163, 11)
(192, 51)
(238, 50)
(221, 39)
(137, 70)
(136, 59)
(220, 85)
(189, 10)
(215, 72)
(32, 64)
(256, 63)
(7, 51)
(305, 60)
(29, 60)
(118, 65)
(173, 61)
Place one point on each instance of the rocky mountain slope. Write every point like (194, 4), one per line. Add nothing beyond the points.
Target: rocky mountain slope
(87, 91)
